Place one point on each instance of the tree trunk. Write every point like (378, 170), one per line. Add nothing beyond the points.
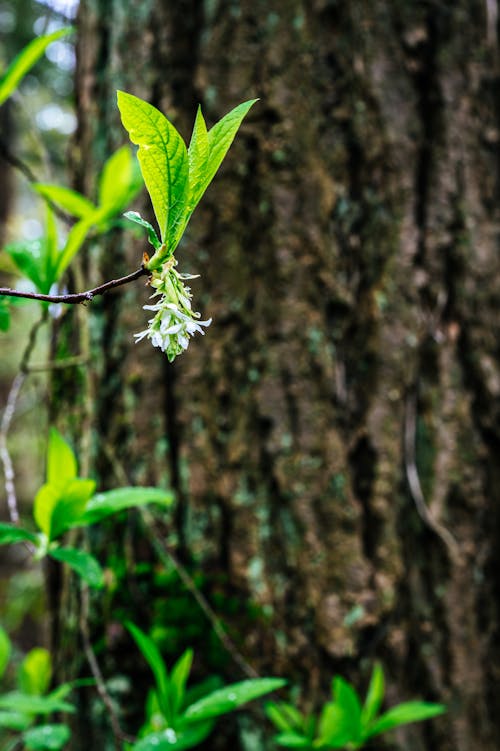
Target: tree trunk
(333, 440)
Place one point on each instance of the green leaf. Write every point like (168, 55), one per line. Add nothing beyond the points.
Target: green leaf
(69, 200)
(71, 505)
(347, 699)
(220, 138)
(334, 728)
(84, 564)
(35, 672)
(164, 163)
(30, 257)
(134, 216)
(16, 701)
(374, 697)
(46, 737)
(14, 720)
(4, 315)
(198, 153)
(120, 180)
(175, 739)
(61, 461)
(178, 679)
(113, 501)
(292, 740)
(10, 534)
(25, 60)
(411, 711)
(5, 649)
(231, 697)
(285, 716)
(75, 240)
(45, 502)
(152, 655)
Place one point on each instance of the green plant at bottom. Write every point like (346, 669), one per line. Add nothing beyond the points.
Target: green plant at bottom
(67, 501)
(21, 709)
(177, 718)
(344, 722)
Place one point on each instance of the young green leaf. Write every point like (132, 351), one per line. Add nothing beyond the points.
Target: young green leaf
(152, 655)
(292, 740)
(25, 60)
(84, 564)
(70, 506)
(347, 700)
(113, 501)
(4, 315)
(120, 180)
(231, 697)
(69, 200)
(178, 740)
(16, 701)
(16, 721)
(61, 461)
(11, 534)
(76, 238)
(402, 714)
(198, 153)
(134, 216)
(334, 728)
(5, 648)
(163, 159)
(46, 737)
(374, 697)
(35, 672)
(285, 716)
(45, 502)
(178, 679)
(219, 138)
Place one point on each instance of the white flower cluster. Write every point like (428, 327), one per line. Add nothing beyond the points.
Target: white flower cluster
(174, 322)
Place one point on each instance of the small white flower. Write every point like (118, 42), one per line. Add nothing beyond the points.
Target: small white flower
(174, 321)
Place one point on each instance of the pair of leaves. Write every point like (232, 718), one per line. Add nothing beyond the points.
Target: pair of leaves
(25, 60)
(345, 722)
(19, 708)
(66, 501)
(188, 723)
(176, 177)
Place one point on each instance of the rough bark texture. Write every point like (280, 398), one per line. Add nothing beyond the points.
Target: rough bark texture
(349, 258)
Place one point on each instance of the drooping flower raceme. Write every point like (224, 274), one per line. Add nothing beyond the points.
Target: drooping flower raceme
(174, 322)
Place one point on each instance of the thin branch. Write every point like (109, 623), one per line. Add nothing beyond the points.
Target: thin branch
(166, 556)
(119, 735)
(7, 418)
(78, 297)
(410, 428)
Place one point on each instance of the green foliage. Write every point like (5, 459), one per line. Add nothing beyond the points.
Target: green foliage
(21, 708)
(175, 177)
(66, 501)
(44, 261)
(119, 182)
(180, 720)
(344, 722)
(24, 61)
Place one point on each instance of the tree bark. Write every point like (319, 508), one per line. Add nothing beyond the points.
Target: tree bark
(333, 440)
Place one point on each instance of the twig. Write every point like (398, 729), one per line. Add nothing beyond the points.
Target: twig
(166, 556)
(8, 415)
(78, 297)
(119, 735)
(410, 425)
